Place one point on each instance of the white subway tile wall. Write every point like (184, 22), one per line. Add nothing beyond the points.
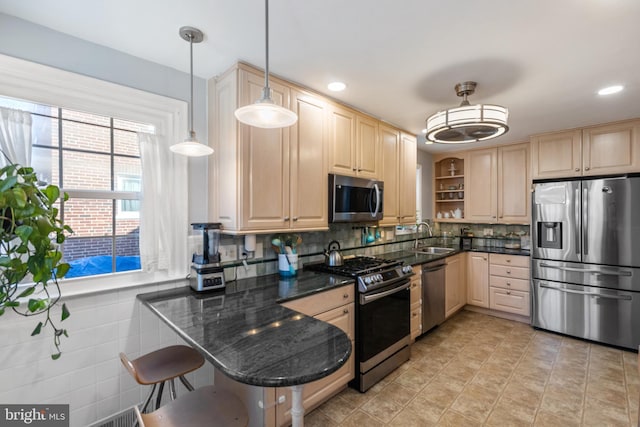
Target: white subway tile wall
(89, 375)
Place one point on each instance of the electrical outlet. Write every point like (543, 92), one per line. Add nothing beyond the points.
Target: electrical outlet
(258, 253)
(488, 232)
(228, 252)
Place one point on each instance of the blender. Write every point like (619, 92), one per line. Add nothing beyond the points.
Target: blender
(206, 271)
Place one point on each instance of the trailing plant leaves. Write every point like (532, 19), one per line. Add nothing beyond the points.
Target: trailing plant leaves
(12, 304)
(34, 305)
(56, 356)
(8, 183)
(65, 313)
(27, 292)
(20, 196)
(24, 231)
(37, 330)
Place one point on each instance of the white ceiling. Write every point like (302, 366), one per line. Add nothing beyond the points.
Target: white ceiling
(543, 59)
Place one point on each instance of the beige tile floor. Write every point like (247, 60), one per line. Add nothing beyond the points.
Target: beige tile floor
(479, 370)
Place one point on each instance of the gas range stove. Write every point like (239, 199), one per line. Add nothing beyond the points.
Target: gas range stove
(370, 272)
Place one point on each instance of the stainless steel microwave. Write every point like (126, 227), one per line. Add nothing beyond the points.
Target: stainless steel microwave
(355, 199)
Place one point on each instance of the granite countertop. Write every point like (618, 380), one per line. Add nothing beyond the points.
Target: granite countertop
(248, 335)
(413, 258)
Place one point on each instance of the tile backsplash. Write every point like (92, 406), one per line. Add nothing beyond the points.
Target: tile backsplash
(352, 238)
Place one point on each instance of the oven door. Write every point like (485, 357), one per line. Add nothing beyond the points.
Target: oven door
(383, 324)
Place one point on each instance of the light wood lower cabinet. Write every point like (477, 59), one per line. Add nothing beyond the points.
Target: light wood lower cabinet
(509, 284)
(478, 279)
(455, 295)
(337, 307)
(416, 303)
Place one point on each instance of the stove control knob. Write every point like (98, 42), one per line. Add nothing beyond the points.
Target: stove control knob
(367, 280)
(379, 277)
(407, 269)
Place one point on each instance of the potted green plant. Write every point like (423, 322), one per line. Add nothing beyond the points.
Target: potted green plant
(30, 259)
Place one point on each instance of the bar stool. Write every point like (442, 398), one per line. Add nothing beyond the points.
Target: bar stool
(163, 365)
(206, 406)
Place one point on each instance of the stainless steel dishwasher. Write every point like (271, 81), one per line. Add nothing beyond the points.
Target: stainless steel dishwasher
(433, 282)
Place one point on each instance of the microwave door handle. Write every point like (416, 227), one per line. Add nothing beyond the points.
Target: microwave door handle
(377, 190)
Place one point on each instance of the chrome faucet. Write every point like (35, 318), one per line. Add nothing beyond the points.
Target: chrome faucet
(429, 229)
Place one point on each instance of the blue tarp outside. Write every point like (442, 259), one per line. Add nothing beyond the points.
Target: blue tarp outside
(91, 266)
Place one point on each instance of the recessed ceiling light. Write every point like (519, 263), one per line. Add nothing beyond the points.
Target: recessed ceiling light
(610, 90)
(336, 86)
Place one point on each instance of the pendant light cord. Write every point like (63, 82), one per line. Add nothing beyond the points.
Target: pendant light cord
(266, 91)
(191, 133)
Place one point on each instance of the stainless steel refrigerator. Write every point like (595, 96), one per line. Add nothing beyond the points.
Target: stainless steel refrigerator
(586, 259)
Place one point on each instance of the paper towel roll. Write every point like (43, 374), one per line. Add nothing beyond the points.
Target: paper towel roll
(250, 243)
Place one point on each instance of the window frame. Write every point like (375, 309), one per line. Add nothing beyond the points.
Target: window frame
(51, 86)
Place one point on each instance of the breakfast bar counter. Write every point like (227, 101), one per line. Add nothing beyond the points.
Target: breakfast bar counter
(245, 332)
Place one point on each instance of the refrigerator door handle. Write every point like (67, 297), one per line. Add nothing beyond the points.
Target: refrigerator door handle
(576, 221)
(585, 221)
(592, 294)
(582, 270)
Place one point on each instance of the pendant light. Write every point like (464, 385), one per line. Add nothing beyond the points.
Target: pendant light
(190, 146)
(467, 123)
(264, 113)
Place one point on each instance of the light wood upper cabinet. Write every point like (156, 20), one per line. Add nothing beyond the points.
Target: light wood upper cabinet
(611, 149)
(514, 184)
(408, 163)
(398, 171)
(266, 179)
(342, 140)
(596, 150)
(353, 143)
(481, 185)
(478, 279)
(498, 183)
(390, 161)
(308, 166)
(556, 155)
(265, 160)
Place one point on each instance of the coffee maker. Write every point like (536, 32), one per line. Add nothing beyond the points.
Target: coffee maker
(206, 271)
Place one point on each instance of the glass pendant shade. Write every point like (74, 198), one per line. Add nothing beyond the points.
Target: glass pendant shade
(266, 114)
(191, 147)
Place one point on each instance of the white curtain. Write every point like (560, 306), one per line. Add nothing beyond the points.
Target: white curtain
(15, 137)
(163, 210)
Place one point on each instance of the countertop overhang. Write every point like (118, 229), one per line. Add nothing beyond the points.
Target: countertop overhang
(245, 332)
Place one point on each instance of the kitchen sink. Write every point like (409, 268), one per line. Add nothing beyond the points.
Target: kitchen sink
(432, 250)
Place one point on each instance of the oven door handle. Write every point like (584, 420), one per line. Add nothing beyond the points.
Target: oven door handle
(366, 299)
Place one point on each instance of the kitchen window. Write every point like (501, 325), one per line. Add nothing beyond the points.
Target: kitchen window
(86, 138)
(96, 160)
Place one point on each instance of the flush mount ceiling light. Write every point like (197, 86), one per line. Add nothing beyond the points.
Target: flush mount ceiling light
(264, 113)
(467, 123)
(610, 90)
(190, 146)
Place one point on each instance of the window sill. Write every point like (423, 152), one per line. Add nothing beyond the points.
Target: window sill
(115, 281)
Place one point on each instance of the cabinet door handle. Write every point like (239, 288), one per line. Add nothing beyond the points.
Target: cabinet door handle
(415, 314)
(508, 260)
(508, 283)
(493, 216)
(508, 271)
(345, 296)
(295, 218)
(286, 218)
(345, 311)
(577, 169)
(586, 168)
(508, 292)
(354, 169)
